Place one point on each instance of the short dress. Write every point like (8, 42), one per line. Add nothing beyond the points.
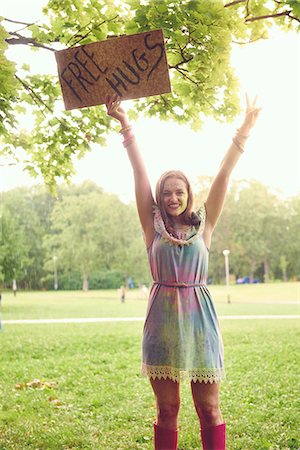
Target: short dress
(181, 332)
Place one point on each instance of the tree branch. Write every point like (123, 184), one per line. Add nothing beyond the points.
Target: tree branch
(9, 164)
(235, 2)
(181, 71)
(267, 16)
(180, 63)
(272, 16)
(164, 100)
(77, 33)
(90, 31)
(36, 98)
(294, 18)
(18, 22)
(39, 102)
(22, 40)
(185, 59)
(246, 42)
(247, 9)
(26, 25)
(86, 34)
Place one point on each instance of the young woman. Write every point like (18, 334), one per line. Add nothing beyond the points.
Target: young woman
(181, 331)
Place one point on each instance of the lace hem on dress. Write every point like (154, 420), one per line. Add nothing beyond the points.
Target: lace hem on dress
(175, 374)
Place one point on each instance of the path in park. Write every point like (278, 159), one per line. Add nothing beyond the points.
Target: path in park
(137, 319)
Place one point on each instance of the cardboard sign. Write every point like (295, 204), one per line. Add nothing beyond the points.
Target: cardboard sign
(131, 66)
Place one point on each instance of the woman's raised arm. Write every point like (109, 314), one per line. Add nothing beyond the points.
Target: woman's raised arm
(217, 192)
(143, 192)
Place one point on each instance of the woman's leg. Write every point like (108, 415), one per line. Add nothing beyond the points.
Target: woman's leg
(206, 401)
(167, 394)
(213, 429)
(167, 405)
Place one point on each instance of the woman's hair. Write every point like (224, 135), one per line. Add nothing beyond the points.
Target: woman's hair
(190, 218)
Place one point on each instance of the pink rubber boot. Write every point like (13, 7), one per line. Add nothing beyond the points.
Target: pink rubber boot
(214, 438)
(165, 439)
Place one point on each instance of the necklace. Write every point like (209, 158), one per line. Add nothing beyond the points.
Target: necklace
(180, 232)
(181, 227)
(161, 229)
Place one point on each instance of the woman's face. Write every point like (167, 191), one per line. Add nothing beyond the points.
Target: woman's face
(174, 196)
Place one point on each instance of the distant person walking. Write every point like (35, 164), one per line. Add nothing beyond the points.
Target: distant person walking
(122, 291)
(181, 331)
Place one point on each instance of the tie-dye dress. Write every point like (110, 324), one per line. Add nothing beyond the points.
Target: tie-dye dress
(181, 332)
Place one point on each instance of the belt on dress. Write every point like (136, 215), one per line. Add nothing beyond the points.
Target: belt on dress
(178, 284)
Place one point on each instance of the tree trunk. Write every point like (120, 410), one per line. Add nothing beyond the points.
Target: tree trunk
(251, 274)
(85, 283)
(266, 270)
(284, 274)
(283, 267)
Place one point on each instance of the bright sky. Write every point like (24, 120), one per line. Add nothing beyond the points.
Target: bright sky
(269, 69)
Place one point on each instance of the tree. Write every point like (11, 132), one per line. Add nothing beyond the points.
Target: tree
(96, 237)
(253, 223)
(198, 38)
(92, 232)
(291, 237)
(30, 210)
(13, 248)
(33, 243)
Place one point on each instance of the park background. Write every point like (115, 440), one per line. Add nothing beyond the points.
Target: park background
(261, 230)
(76, 384)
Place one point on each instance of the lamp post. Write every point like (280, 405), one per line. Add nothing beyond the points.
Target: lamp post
(55, 273)
(226, 254)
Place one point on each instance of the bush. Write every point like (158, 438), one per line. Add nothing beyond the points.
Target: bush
(109, 279)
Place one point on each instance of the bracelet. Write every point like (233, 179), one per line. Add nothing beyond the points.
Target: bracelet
(129, 136)
(128, 139)
(238, 145)
(123, 130)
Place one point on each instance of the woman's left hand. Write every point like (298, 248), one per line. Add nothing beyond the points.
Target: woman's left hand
(252, 113)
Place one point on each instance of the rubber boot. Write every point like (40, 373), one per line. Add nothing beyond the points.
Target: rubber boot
(165, 439)
(214, 438)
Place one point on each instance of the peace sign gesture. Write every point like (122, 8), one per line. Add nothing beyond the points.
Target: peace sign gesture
(252, 113)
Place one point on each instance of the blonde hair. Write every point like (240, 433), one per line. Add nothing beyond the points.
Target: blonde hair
(189, 217)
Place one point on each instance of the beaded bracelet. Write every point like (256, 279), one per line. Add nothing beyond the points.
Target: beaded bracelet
(123, 130)
(128, 139)
(238, 145)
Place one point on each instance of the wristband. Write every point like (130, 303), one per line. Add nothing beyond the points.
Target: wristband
(238, 145)
(123, 130)
(128, 139)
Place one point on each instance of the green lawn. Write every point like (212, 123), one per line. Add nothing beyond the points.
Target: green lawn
(247, 299)
(98, 400)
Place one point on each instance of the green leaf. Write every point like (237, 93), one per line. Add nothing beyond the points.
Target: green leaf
(99, 34)
(20, 109)
(26, 67)
(131, 27)
(134, 4)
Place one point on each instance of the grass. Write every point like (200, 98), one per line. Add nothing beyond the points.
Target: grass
(96, 399)
(246, 299)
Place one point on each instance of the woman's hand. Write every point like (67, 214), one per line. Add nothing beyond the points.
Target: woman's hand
(252, 113)
(115, 110)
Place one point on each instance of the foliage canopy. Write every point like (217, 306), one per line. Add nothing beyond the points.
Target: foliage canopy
(198, 35)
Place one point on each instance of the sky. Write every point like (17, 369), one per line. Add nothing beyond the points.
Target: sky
(269, 69)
